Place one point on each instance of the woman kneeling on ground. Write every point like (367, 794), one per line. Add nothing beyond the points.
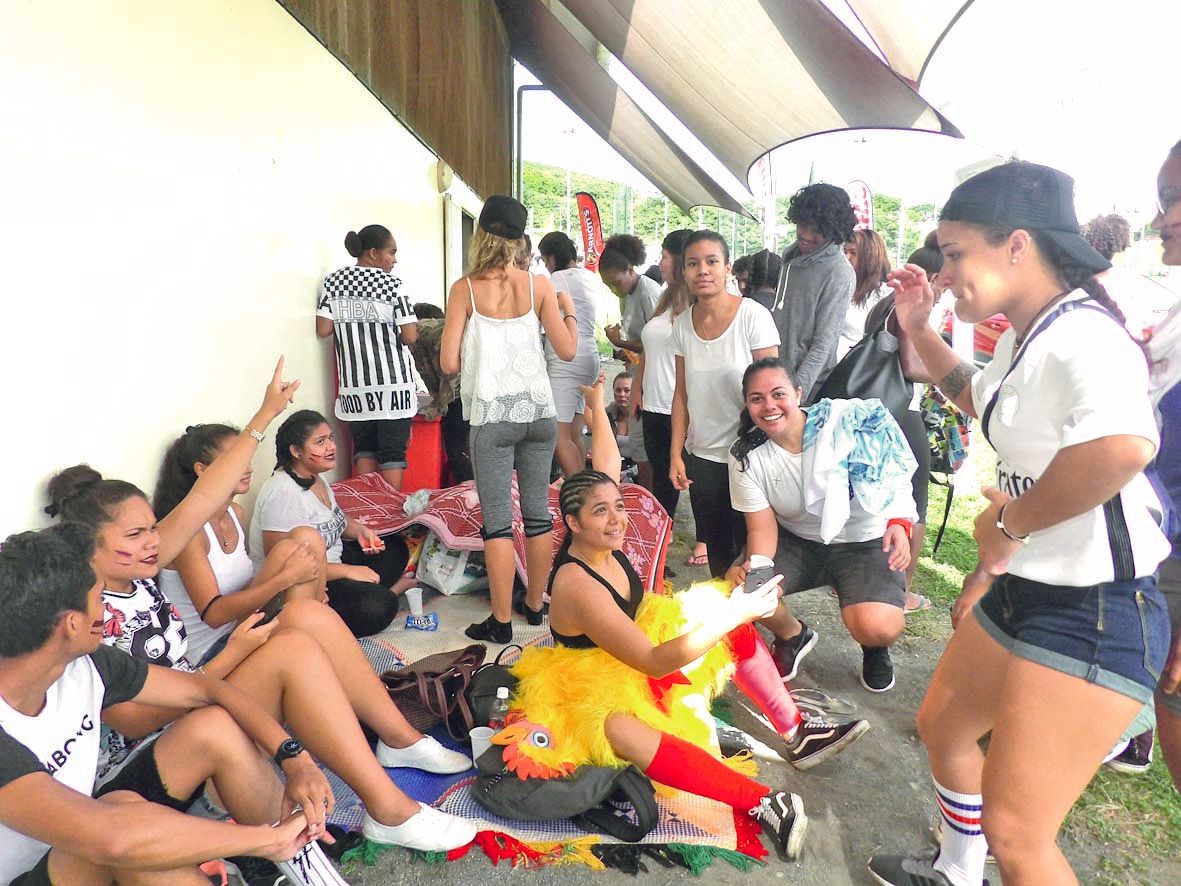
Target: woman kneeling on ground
(286, 670)
(364, 575)
(817, 523)
(599, 616)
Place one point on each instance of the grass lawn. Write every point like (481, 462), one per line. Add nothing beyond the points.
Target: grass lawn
(1132, 822)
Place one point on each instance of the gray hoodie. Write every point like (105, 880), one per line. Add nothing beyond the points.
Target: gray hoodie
(814, 293)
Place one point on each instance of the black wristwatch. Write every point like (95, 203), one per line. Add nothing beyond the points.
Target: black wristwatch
(292, 747)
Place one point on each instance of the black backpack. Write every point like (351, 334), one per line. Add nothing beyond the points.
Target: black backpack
(596, 798)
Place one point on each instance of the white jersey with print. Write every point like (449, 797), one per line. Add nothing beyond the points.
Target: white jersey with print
(713, 374)
(1078, 378)
(375, 371)
(62, 739)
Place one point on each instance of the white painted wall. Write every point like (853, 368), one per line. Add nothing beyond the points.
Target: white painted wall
(176, 178)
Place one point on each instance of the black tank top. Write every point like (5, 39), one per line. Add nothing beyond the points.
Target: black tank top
(629, 607)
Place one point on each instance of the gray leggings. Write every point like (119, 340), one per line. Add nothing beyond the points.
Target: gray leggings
(498, 448)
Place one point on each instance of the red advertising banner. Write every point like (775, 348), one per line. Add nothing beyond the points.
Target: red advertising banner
(592, 229)
(862, 201)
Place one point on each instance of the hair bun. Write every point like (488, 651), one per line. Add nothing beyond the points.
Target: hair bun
(352, 244)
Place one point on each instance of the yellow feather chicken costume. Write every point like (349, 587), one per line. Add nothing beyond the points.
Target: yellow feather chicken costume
(566, 695)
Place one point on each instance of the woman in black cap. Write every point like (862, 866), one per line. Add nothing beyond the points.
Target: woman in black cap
(492, 337)
(1067, 645)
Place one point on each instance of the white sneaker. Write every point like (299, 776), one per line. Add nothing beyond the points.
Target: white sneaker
(311, 867)
(429, 830)
(425, 754)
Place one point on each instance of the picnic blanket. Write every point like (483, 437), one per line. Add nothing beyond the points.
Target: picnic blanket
(454, 515)
(700, 830)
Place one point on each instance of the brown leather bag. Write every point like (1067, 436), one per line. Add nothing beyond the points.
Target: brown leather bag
(434, 689)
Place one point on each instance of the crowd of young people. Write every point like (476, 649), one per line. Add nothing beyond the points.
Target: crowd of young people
(252, 625)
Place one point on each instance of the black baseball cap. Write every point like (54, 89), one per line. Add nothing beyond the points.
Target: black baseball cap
(504, 217)
(1025, 195)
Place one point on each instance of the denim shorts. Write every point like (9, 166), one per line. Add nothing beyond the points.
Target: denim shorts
(1115, 635)
(384, 439)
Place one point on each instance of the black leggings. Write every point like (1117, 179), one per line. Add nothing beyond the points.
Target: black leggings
(658, 438)
(366, 607)
(721, 527)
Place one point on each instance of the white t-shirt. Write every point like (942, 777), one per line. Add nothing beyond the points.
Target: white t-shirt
(586, 290)
(854, 328)
(281, 506)
(63, 739)
(375, 370)
(774, 478)
(660, 370)
(713, 375)
(1081, 378)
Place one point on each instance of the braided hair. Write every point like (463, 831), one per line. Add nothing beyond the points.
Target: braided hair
(572, 496)
(765, 266)
(295, 431)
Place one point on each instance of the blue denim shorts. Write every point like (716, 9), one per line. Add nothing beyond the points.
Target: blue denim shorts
(1169, 582)
(1114, 635)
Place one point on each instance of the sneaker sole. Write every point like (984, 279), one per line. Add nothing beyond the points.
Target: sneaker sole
(885, 688)
(795, 840)
(1128, 768)
(831, 750)
(803, 653)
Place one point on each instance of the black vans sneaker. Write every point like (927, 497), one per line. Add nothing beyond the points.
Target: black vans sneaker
(903, 870)
(782, 816)
(817, 740)
(789, 653)
(877, 670)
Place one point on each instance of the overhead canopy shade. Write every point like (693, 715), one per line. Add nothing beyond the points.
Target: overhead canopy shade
(540, 42)
(908, 31)
(746, 76)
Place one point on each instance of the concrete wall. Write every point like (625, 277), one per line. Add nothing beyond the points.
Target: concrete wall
(176, 179)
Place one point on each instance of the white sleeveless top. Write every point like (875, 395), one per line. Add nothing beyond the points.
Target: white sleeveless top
(502, 376)
(233, 571)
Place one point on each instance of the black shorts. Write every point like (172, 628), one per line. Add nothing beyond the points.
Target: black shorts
(859, 570)
(141, 775)
(384, 440)
(38, 875)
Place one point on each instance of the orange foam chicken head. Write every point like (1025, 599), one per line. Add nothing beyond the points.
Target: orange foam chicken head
(529, 750)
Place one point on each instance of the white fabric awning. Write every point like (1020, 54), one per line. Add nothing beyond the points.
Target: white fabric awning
(908, 31)
(543, 45)
(746, 76)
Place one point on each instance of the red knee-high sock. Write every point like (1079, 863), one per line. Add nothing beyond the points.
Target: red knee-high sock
(687, 767)
(759, 679)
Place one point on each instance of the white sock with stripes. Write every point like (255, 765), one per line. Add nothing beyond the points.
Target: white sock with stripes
(963, 849)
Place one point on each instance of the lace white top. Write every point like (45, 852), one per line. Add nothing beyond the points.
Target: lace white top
(502, 375)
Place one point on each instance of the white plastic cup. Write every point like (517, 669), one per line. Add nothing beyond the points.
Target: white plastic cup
(414, 600)
(481, 738)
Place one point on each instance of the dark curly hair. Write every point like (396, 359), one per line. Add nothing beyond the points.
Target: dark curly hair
(622, 252)
(825, 208)
(1108, 234)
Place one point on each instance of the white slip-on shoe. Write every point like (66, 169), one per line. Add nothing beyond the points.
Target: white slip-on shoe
(429, 830)
(425, 754)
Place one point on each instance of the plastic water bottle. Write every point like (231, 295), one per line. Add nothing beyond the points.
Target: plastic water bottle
(499, 709)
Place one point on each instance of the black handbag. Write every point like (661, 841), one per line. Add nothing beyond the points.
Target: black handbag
(871, 370)
(488, 678)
